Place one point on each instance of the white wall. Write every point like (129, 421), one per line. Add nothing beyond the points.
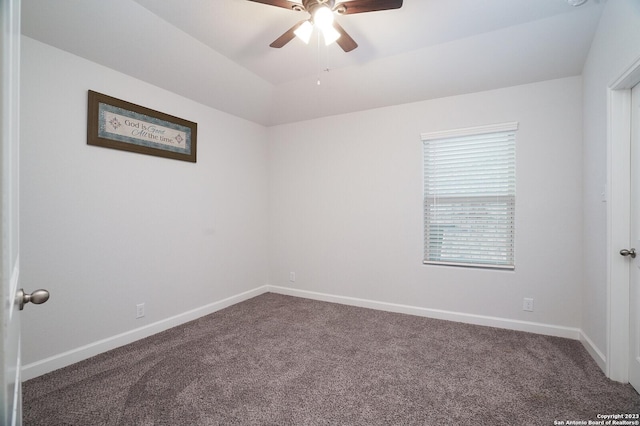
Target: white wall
(336, 200)
(615, 47)
(104, 229)
(345, 205)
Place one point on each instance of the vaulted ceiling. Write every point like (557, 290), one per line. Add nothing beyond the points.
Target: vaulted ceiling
(217, 52)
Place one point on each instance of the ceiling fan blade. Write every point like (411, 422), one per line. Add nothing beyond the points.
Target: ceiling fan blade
(280, 3)
(345, 41)
(287, 36)
(361, 6)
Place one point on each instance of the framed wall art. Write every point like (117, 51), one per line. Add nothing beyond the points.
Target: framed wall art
(117, 124)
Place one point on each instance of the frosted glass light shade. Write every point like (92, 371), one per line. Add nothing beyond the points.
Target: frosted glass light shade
(330, 35)
(323, 18)
(303, 32)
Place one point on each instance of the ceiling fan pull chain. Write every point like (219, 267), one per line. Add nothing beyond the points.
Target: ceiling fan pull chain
(318, 60)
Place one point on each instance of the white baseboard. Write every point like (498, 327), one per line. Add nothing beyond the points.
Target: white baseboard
(593, 350)
(38, 368)
(510, 324)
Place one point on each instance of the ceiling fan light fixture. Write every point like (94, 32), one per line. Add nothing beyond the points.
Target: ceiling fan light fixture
(323, 18)
(330, 35)
(303, 32)
(321, 15)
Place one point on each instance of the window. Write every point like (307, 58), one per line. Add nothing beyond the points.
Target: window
(469, 196)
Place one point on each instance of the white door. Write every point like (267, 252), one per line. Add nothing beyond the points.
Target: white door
(13, 298)
(634, 240)
(10, 388)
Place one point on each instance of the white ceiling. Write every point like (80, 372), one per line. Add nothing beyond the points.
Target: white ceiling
(217, 51)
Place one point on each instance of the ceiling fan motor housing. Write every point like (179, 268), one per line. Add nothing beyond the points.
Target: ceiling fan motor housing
(311, 5)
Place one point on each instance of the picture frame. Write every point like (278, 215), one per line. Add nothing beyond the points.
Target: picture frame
(117, 124)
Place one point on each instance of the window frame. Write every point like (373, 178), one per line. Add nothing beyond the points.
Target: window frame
(508, 199)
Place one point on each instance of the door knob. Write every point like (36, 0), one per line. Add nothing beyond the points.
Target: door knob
(37, 297)
(631, 252)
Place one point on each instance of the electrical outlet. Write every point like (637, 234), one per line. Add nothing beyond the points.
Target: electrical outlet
(139, 310)
(292, 277)
(527, 304)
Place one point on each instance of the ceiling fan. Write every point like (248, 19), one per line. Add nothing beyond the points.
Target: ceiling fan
(322, 16)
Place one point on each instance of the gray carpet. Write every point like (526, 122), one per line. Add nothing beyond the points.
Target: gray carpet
(280, 360)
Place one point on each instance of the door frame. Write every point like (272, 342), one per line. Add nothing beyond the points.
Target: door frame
(619, 221)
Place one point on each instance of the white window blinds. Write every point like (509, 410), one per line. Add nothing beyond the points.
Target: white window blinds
(469, 196)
